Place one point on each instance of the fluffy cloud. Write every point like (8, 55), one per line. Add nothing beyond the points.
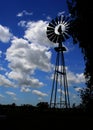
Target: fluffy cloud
(5, 34)
(61, 13)
(10, 93)
(24, 12)
(0, 53)
(5, 82)
(25, 56)
(36, 33)
(75, 78)
(1, 96)
(78, 89)
(24, 59)
(22, 23)
(23, 89)
(39, 93)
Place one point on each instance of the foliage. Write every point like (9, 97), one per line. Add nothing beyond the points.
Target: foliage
(43, 105)
(87, 99)
(81, 31)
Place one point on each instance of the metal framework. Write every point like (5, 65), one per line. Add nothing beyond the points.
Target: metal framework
(59, 94)
(58, 31)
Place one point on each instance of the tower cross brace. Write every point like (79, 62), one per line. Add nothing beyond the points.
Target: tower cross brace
(59, 94)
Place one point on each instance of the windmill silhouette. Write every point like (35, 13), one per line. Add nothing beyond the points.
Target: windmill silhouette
(58, 32)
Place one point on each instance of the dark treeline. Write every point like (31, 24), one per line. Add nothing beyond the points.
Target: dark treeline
(81, 30)
(27, 109)
(27, 116)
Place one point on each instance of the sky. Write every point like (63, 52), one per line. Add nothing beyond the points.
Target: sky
(27, 57)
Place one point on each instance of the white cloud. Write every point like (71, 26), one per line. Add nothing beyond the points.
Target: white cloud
(60, 91)
(40, 99)
(39, 93)
(78, 89)
(30, 82)
(0, 53)
(5, 34)
(22, 23)
(2, 69)
(24, 12)
(10, 93)
(24, 79)
(24, 89)
(24, 59)
(75, 78)
(48, 18)
(36, 33)
(61, 13)
(5, 82)
(1, 96)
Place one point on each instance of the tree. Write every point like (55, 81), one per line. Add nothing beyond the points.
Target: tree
(81, 31)
(43, 105)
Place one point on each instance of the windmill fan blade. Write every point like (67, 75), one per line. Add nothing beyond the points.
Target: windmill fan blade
(55, 39)
(66, 35)
(48, 28)
(52, 37)
(51, 25)
(60, 19)
(50, 31)
(53, 22)
(50, 34)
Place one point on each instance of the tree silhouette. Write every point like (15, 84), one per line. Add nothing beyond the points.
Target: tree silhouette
(81, 30)
(43, 105)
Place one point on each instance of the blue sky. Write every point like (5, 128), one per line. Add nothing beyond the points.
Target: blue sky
(27, 57)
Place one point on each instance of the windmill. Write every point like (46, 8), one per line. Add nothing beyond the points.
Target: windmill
(58, 31)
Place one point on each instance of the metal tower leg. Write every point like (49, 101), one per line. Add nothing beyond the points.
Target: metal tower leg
(59, 94)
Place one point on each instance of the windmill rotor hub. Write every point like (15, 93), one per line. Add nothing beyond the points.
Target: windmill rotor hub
(58, 29)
